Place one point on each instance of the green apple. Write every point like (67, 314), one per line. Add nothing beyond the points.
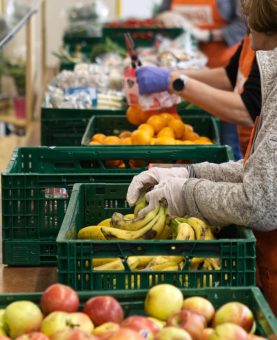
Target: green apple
(22, 317)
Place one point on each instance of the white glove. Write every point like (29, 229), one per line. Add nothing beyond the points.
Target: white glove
(200, 34)
(148, 179)
(171, 20)
(172, 191)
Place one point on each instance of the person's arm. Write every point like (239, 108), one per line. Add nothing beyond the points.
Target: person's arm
(236, 29)
(226, 172)
(225, 105)
(215, 77)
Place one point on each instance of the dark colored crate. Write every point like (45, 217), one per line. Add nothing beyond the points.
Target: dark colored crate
(65, 127)
(32, 214)
(91, 203)
(115, 124)
(133, 302)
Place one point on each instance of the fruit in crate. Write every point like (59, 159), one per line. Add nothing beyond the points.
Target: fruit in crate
(173, 333)
(103, 309)
(22, 317)
(59, 297)
(201, 306)
(153, 129)
(162, 301)
(228, 331)
(236, 313)
(141, 325)
(73, 334)
(33, 336)
(106, 330)
(126, 334)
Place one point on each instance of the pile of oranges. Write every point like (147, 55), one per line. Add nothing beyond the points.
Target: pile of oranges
(159, 129)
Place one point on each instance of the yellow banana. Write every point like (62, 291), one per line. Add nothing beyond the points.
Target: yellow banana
(166, 234)
(120, 222)
(167, 266)
(196, 263)
(106, 222)
(143, 233)
(159, 260)
(129, 216)
(185, 232)
(141, 203)
(114, 265)
(91, 233)
(101, 261)
(212, 264)
(159, 226)
(133, 262)
(201, 229)
(143, 260)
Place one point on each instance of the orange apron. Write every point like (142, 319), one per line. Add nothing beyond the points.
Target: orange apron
(266, 248)
(205, 15)
(247, 58)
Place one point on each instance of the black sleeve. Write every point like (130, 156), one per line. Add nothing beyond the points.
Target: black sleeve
(165, 6)
(233, 66)
(252, 94)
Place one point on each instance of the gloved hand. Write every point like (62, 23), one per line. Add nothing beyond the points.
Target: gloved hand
(172, 191)
(148, 179)
(200, 34)
(152, 79)
(170, 19)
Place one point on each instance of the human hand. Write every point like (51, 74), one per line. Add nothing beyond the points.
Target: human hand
(148, 179)
(172, 190)
(170, 19)
(152, 79)
(201, 34)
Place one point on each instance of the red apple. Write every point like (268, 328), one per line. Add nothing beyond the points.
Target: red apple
(106, 330)
(237, 313)
(141, 324)
(103, 309)
(206, 333)
(73, 334)
(200, 305)
(126, 334)
(33, 336)
(61, 298)
(191, 322)
(172, 333)
(22, 317)
(228, 331)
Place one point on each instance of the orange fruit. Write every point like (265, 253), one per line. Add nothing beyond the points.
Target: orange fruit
(93, 142)
(114, 163)
(136, 163)
(144, 115)
(178, 127)
(165, 140)
(167, 117)
(166, 132)
(187, 142)
(126, 141)
(192, 136)
(125, 134)
(156, 122)
(203, 140)
(141, 137)
(112, 140)
(98, 137)
(148, 128)
(133, 115)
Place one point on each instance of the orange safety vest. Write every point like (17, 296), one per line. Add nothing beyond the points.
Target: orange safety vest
(266, 249)
(205, 15)
(246, 61)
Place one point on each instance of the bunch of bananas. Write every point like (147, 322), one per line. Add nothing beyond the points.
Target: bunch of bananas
(130, 227)
(154, 225)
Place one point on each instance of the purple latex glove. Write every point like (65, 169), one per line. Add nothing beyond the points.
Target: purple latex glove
(152, 79)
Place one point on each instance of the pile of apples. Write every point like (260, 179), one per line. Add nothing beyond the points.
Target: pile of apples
(169, 317)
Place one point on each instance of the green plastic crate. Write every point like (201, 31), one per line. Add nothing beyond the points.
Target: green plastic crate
(133, 302)
(32, 216)
(65, 127)
(115, 124)
(91, 203)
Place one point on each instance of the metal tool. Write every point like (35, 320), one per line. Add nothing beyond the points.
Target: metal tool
(130, 45)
